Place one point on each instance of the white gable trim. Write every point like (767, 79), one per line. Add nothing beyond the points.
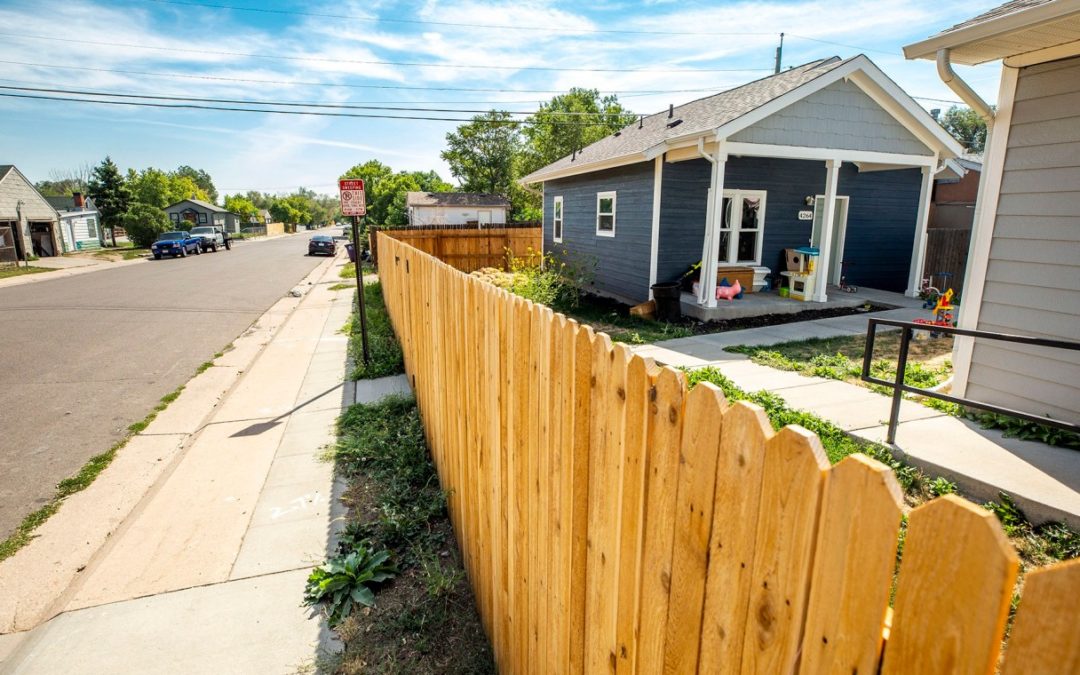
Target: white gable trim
(862, 72)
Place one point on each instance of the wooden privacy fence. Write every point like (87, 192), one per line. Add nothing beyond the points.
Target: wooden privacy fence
(467, 249)
(947, 251)
(611, 520)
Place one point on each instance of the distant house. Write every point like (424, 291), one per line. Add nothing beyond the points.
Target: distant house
(955, 190)
(264, 217)
(29, 225)
(80, 222)
(457, 208)
(830, 153)
(194, 212)
(1024, 271)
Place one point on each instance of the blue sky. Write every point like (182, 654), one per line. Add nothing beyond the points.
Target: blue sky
(295, 52)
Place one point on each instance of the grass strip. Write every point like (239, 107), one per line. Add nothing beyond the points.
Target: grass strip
(425, 620)
(24, 533)
(1037, 545)
(7, 271)
(385, 351)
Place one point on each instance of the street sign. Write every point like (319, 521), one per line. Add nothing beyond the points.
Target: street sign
(352, 197)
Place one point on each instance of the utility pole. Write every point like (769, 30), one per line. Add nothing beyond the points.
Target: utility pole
(360, 287)
(779, 54)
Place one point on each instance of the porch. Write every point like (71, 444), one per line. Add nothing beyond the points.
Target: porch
(769, 302)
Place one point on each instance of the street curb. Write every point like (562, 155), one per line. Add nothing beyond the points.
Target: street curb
(36, 582)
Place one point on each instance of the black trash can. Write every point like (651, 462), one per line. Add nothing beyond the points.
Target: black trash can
(668, 304)
(351, 251)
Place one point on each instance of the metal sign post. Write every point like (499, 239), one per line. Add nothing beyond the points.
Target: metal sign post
(353, 204)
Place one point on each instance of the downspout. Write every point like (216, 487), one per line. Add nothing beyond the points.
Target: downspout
(962, 89)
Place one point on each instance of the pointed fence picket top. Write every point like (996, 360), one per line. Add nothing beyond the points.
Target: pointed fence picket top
(1046, 633)
(854, 561)
(705, 408)
(662, 471)
(957, 572)
(731, 548)
(612, 519)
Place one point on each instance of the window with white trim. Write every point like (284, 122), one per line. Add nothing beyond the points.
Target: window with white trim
(91, 228)
(605, 214)
(742, 227)
(557, 219)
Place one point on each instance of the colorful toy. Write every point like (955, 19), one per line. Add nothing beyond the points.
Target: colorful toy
(728, 292)
(943, 313)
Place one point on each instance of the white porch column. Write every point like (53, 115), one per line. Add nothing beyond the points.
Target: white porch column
(714, 220)
(828, 222)
(918, 248)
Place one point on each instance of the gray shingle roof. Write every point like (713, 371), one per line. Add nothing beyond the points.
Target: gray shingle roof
(455, 199)
(996, 13)
(67, 203)
(198, 202)
(696, 116)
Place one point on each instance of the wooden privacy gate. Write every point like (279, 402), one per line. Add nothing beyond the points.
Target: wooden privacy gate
(947, 251)
(611, 520)
(468, 249)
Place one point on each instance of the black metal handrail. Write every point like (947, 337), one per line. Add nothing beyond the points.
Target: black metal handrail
(899, 387)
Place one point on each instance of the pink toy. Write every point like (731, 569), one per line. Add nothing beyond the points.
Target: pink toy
(728, 292)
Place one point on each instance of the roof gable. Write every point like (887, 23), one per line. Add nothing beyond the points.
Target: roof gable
(198, 202)
(18, 188)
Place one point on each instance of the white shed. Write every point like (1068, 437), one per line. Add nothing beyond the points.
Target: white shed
(457, 208)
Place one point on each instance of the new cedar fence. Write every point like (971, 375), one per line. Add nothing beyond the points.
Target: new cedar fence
(467, 248)
(611, 520)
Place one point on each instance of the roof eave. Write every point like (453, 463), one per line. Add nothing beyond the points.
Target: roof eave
(1019, 20)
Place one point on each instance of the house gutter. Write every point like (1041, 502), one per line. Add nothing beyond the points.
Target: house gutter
(962, 88)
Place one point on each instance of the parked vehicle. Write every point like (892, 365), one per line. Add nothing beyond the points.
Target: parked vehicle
(175, 244)
(322, 243)
(210, 237)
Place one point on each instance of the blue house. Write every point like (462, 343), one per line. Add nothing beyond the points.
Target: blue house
(831, 154)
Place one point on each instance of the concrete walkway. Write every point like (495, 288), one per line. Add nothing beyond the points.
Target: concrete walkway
(207, 573)
(1044, 480)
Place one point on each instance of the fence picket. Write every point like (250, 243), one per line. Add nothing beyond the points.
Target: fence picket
(693, 524)
(579, 480)
(1046, 634)
(734, 531)
(662, 471)
(853, 568)
(951, 600)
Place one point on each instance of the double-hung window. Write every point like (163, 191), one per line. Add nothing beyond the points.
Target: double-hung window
(557, 219)
(605, 214)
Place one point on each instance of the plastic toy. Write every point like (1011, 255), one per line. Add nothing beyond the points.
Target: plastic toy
(728, 292)
(943, 313)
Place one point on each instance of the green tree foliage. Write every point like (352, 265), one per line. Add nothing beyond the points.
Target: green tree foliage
(143, 223)
(201, 179)
(570, 122)
(966, 126)
(242, 207)
(386, 191)
(110, 193)
(161, 189)
(481, 152)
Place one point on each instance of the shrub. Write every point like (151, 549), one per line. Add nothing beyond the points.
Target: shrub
(143, 223)
(555, 281)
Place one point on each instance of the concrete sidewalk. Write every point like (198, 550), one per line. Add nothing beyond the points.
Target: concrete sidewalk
(207, 573)
(1043, 480)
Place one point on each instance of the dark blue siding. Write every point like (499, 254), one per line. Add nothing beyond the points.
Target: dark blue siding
(881, 218)
(621, 262)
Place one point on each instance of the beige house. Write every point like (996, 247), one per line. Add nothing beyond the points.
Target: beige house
(29, 225)
(1024, 261)
(457, 208)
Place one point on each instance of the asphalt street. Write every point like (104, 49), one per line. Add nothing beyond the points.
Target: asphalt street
(83, 357)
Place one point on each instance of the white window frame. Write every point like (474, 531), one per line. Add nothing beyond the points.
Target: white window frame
(92, 228)
(612, 195)
(734, 219)
(557, 218)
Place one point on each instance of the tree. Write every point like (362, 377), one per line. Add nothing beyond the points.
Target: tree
(201, 179)
(158, 188)
(65, 182)
(385, 191)
(144, 223)
(966, 126)
(242, 207)
(481, 153)
(570, 122)
(110, 194)
(373, 173)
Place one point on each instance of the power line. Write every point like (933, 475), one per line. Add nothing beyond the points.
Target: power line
(316, 113)
(412, 64)
(450, 24)
(294, 104)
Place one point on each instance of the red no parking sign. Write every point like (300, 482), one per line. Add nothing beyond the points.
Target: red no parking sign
(352, 197)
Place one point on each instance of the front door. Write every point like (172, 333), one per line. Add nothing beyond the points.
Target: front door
(836, 244)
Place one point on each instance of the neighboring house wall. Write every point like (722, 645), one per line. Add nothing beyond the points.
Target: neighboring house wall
(455, 215)
(1033, 273)
(203, 216)
(621, 262)
(839, 116)
(954, 202)
(882, 209)
(14, 189)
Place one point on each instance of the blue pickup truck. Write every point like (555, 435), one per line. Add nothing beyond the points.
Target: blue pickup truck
(176, 244)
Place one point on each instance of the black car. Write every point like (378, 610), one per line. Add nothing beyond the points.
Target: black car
(321, 243)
